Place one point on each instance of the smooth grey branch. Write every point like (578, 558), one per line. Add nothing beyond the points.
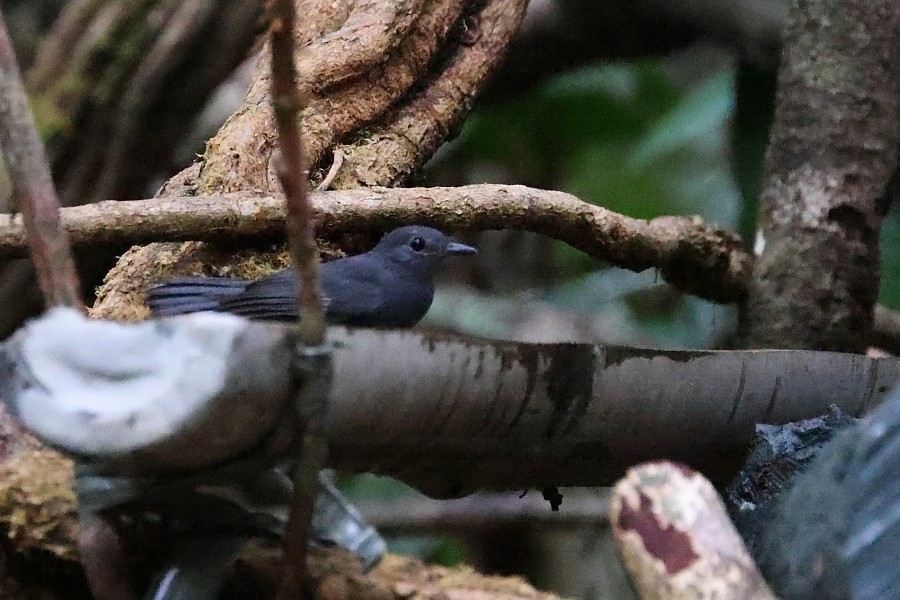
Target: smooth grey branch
(446, 414)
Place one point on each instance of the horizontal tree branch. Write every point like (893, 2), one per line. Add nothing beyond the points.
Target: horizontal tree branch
(454, 415)
(691, 255)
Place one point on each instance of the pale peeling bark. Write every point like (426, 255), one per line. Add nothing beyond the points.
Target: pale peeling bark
(454, 415)
(832, 152)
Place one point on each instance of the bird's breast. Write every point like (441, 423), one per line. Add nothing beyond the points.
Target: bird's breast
(406, 303)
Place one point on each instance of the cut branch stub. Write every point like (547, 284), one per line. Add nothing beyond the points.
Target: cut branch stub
(676, 539)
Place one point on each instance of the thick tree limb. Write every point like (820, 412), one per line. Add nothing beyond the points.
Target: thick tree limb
(832, 152)
(347, 91)
(476, 415)
(454, 415)
(411, 134)
(33, 190)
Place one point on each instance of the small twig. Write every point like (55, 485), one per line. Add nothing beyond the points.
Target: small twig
(33, 190)
(292, 172)
(332, 172)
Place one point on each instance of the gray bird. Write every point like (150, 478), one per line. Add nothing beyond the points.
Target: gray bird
(390, 286)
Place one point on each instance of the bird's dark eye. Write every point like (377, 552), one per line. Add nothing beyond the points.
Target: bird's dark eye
(417, 244)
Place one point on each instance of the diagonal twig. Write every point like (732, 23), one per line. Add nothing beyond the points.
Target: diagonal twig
(33, 191)
(292, 173)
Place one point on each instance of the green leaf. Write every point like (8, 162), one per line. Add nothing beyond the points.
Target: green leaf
(698, 117)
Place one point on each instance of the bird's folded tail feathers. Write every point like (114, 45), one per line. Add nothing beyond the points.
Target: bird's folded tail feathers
(183, 295)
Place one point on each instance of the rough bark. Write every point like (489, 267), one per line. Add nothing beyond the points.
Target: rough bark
(832, 152)
(389, 153)
(342, 105)
(346, 90)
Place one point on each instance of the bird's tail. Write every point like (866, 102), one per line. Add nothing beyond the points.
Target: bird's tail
(183, 295)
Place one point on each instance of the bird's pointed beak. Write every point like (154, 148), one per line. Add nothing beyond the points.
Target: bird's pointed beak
(457, 248)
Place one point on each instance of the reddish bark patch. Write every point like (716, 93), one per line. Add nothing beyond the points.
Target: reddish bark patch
(664, 542)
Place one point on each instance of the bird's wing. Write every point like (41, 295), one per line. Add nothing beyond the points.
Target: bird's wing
(354, 295)
(351, 292)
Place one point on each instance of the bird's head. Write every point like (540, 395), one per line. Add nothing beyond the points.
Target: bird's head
(422, 248)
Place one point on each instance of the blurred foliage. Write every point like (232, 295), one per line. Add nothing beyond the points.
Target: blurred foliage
(890, 259)
(643, 139)
(621, 136)
(438, 549)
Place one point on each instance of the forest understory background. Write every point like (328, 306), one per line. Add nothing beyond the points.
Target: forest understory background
(645, 108)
